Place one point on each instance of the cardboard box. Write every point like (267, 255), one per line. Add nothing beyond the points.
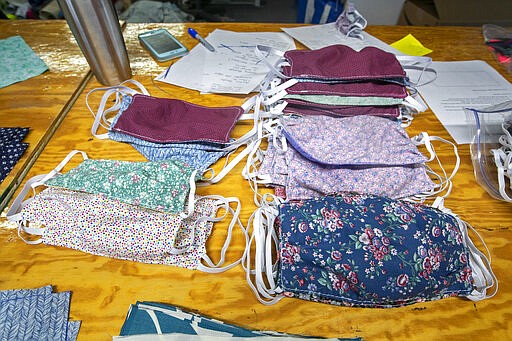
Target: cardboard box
(456, 12)
(419, 13)
(474, 12)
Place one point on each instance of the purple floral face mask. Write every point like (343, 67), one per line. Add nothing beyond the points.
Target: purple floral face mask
(304, 179)
(356, 140)
(165, 120)
(307, 179)
(342, 63)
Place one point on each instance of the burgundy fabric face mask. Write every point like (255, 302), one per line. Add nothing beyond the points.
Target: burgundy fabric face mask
(340, 62)
(299, 107)
(165, 120)
(359, 89)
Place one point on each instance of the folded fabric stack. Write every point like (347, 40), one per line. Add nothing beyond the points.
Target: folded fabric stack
(344, 219)
(158, 321)
(36, 314)
(170, 129)
(140, 211)
(339, 112)
(363, 154)
(11, 148)
(339, 81)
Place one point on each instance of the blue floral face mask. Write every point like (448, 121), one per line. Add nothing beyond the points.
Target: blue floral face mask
(363, 250)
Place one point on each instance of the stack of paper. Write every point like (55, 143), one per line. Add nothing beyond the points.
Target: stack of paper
(233, 67)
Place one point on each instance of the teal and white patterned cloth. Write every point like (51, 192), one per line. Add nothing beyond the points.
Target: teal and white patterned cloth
(148, 321)
(18, 61)
(36, 314)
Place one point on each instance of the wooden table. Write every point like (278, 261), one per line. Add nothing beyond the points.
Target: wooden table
(40, 102)
(104, 288)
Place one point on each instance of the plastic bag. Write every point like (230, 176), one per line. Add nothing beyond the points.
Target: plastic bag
(491, 148)
(499, 41)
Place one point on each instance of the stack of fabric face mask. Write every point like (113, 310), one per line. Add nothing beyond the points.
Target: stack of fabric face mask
(344, 220)
(337, 125)
(326, 155)
(164, 129)
(339, 81)
(140, 211)
(168, 129)
(365, 250)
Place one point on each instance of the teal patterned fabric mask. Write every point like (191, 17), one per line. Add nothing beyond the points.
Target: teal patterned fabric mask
(162, 186)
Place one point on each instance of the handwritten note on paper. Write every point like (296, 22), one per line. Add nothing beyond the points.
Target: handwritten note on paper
(318, 36)
(411, 46)
(232, 68)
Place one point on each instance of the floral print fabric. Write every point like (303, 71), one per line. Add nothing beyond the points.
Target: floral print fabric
(305, 179)
(162, 186)
(357, 140)
(364, 250)
(308, 179)
(101, 226)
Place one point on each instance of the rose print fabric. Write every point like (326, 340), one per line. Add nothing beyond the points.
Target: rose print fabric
(364, 250)
(95, 224)
(162, 186)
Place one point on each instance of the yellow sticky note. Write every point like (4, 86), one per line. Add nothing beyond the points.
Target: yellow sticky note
(411, 46)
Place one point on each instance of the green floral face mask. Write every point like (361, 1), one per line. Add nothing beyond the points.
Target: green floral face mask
(162, 186)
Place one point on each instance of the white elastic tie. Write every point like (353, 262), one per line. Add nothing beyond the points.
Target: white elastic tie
(191, 195)
(264, 237)
(100, 116)
(445, 180)
(262, 52)
(421, 63)
(480, 264)
(225, 202)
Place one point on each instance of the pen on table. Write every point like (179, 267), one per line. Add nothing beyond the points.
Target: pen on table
(196, 35)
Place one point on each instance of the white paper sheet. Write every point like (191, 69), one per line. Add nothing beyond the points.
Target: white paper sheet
(473, 84)
(232, 68)
(318, 36)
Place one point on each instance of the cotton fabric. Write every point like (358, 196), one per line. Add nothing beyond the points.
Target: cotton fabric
(364, 250)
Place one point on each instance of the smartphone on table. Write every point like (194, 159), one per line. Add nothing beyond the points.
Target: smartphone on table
(162, 45)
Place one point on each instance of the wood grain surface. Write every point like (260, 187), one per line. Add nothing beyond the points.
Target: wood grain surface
(103, 288)
(39, 102)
